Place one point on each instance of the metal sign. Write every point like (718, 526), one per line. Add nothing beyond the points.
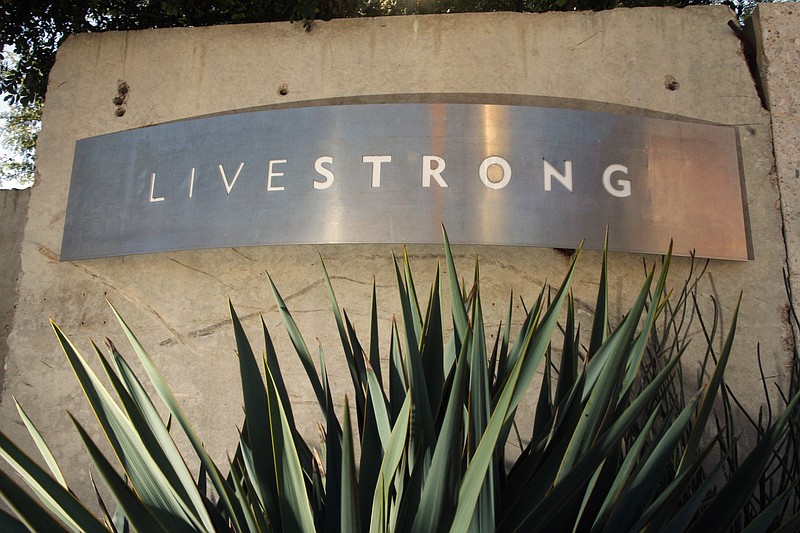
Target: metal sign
(395, 173)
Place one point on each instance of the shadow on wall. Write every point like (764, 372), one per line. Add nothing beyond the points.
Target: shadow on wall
(13, 215)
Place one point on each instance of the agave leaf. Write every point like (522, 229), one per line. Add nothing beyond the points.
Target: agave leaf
(618, 345)
(432, 347)
(493, 358)
(634, 499)
(563, 493)
(32, 516)
(374, 349)
(503, 357)
(535, 476)
(44, 449)
(640, 344)
(333, 455)
(669, 512)
(395, 451)
(544, 404)
(296, 514)
(624, 472)
(360, 365)
(158, 438)
(119, 521)
(144, 443)
(336, 312)
(535, 344)
(436, 502)
(299, 345)
(400, 488)
(480, 412)
(238, 482)
(349, 512)
(224, 491)
(379, 505)
(131, 440)
(611, 355)
(371, 454)
(351, 355)
(139, 515)
(791, 525)
(377, 401)
(10, 524)
(449, 356)
(457, 307)
(258, 453)
(600, 322)
(729, 501)
(270, 359)
(531, 323)
(412, 295)
(410, 310)
(318, 495)
(417, 381)
(422, 432)
(257, 514)
(707, 403)
(563, 522)
(539, 337)
(109, 521)
(410, 492)
(472, 482)
(398, 382)
(568, 368)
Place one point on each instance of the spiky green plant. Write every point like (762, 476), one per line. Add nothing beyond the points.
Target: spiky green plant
(615, 446)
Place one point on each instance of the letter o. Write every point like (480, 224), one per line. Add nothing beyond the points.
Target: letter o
(483, 172)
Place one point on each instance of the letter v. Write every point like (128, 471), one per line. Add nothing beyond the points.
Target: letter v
(229, 186)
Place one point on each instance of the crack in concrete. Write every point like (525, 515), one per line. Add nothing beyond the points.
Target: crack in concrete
(244, 255)
(184, 265)
(367, 283)
(213, 328)
(122, 291)
(592, 36)
(209, 330)
(49, 254)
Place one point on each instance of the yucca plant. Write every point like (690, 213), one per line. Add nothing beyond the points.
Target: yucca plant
(615, 444)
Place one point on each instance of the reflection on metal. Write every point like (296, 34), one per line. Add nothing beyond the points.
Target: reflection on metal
(394, 173)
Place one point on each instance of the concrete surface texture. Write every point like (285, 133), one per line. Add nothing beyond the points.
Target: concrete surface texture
(176, 302)
(778, 38)
(13, 213)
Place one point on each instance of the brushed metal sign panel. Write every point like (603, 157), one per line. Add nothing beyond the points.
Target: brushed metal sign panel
(394, 173)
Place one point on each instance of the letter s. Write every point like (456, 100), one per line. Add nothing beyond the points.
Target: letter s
(324, 172)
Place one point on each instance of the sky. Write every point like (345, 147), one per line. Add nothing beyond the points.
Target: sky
(7, 184)
(10, 184)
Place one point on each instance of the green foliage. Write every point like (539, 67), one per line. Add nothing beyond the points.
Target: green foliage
(614, 445)
(20, 131)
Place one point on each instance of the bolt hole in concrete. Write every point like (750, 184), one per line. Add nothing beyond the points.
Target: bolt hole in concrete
(120, 98)
(671, 83)
(283, 89)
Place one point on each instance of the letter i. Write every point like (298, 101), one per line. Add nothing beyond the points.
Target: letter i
(191, 183)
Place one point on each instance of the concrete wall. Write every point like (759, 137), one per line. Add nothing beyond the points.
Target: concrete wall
(13, 214)
(777, 28)
(176, 302)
